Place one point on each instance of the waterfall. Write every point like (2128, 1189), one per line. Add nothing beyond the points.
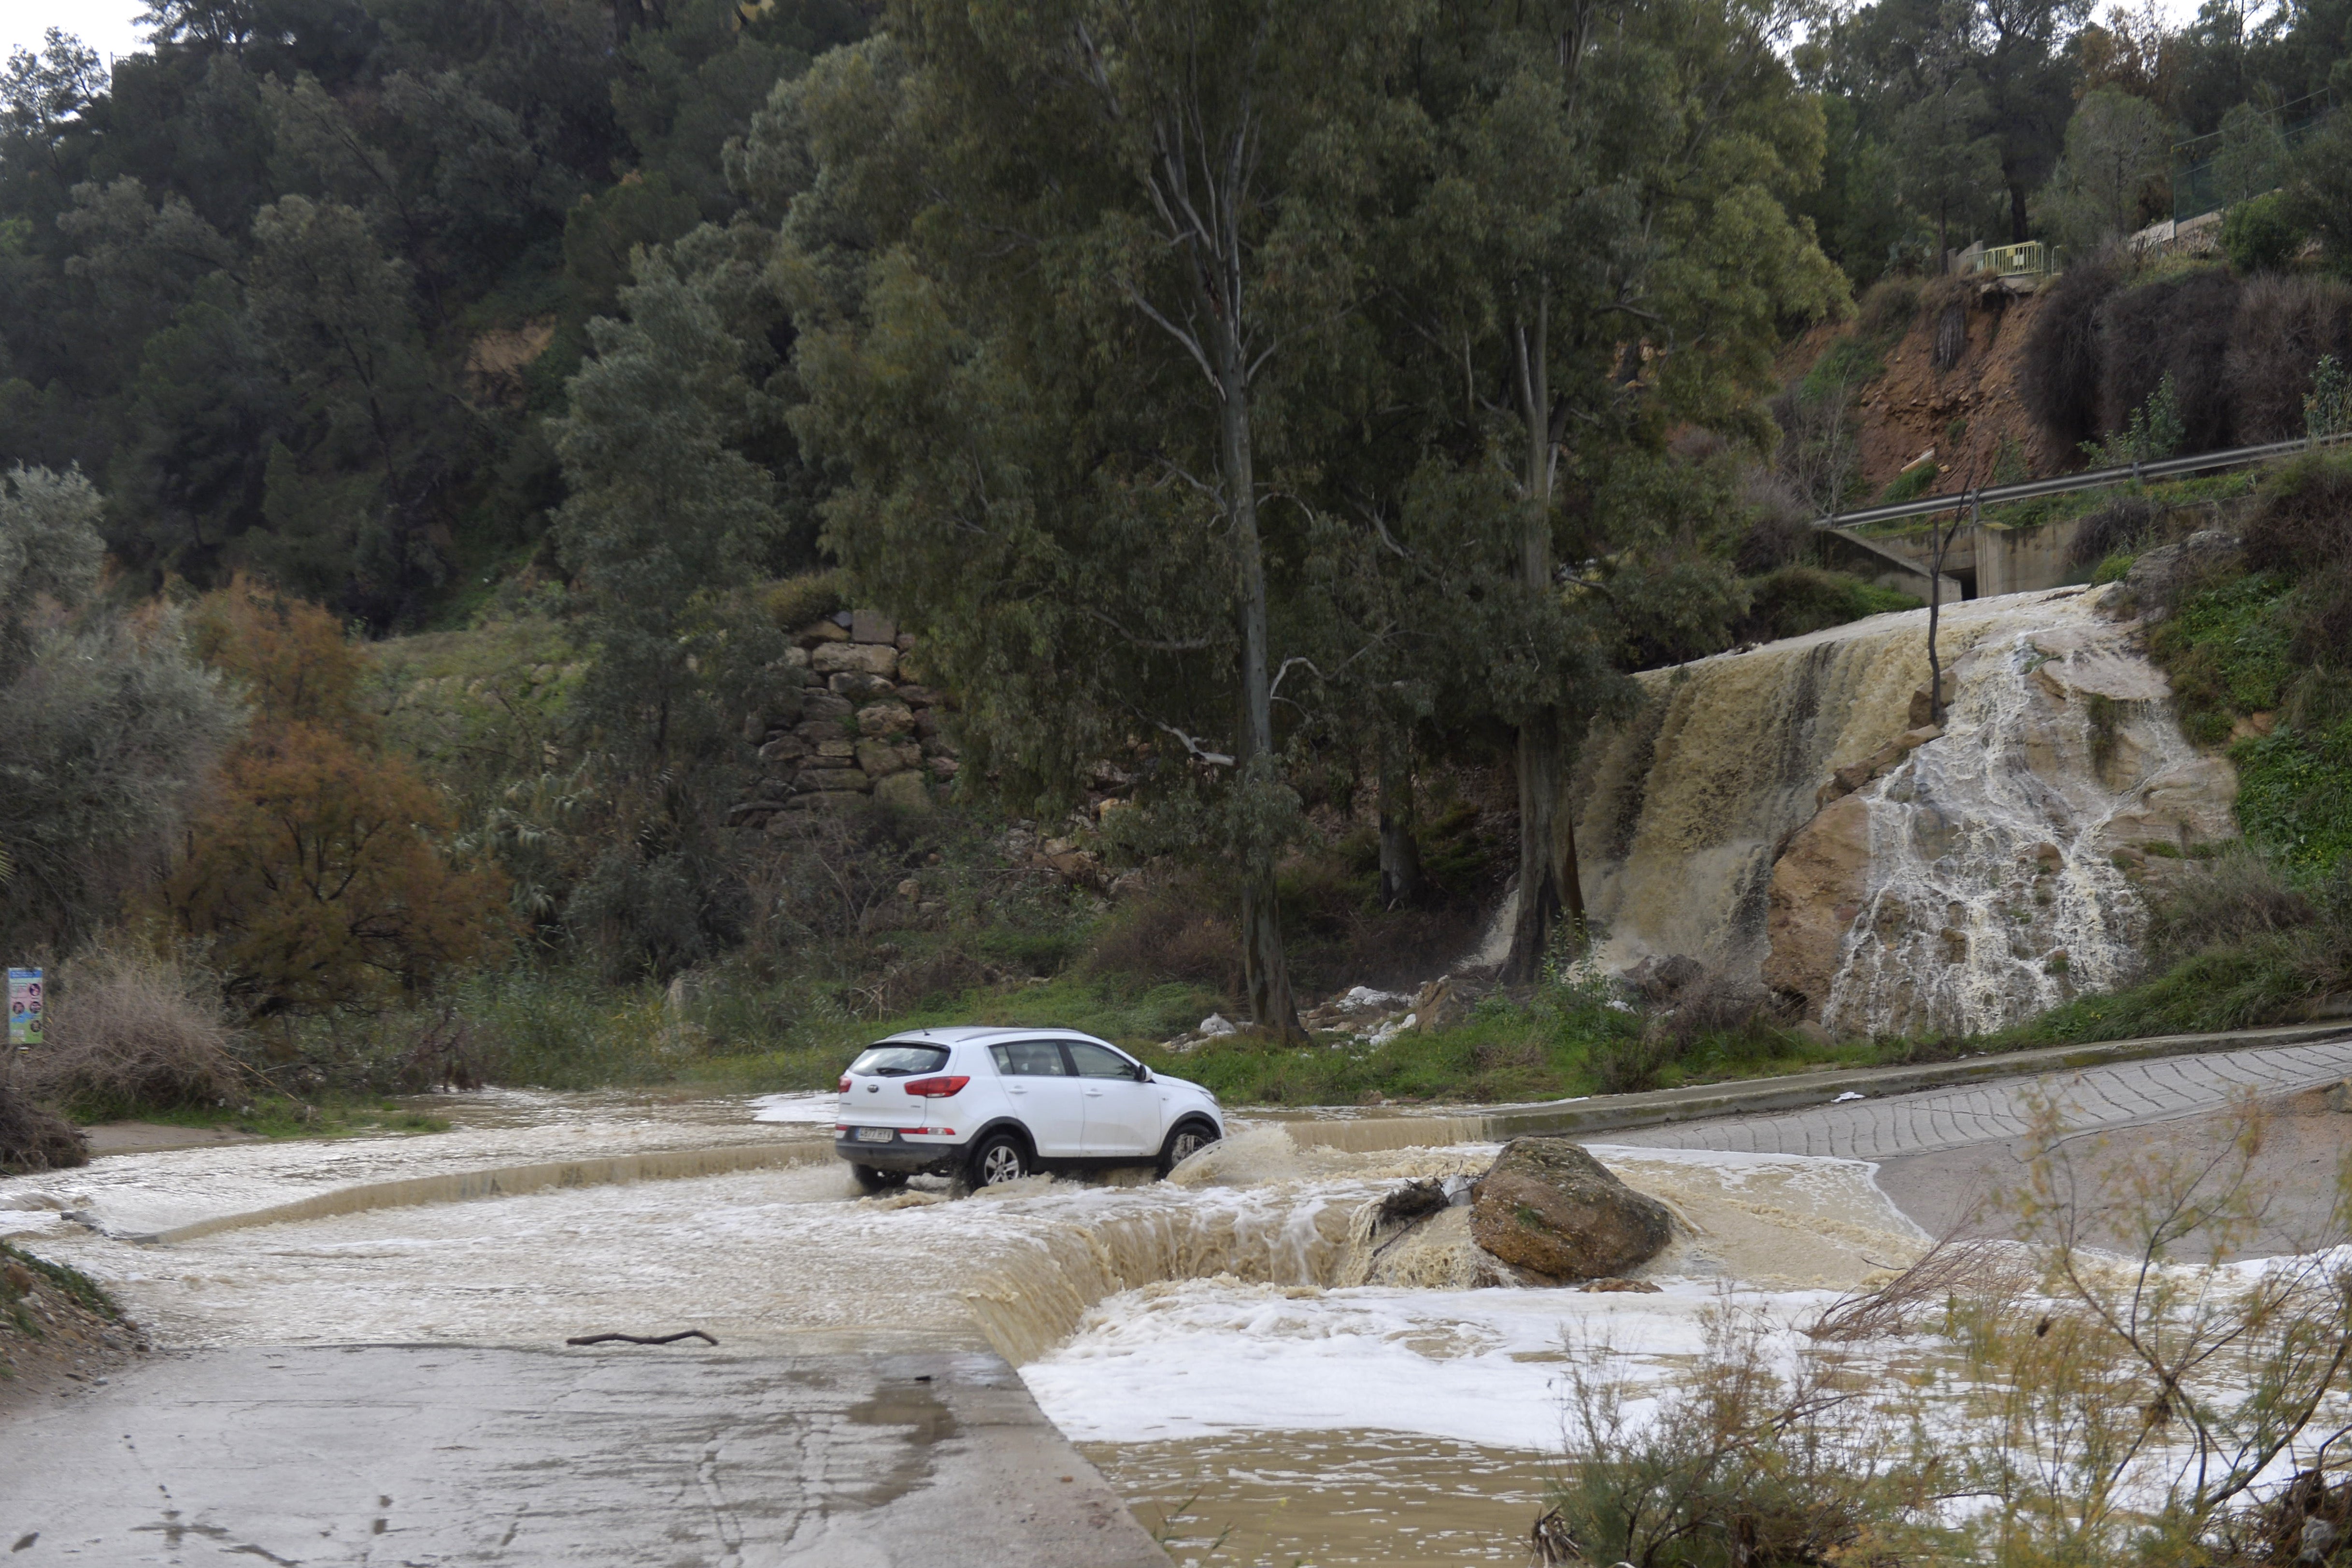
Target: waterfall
(1990, 886)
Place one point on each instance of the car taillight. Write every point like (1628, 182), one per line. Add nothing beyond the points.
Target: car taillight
(845, 1083)
(938, 1088)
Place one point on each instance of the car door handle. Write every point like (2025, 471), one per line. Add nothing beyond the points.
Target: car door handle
(1016, 1089)
(1094, 1094)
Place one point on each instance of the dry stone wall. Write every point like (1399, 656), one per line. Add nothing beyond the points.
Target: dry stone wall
(849, 723)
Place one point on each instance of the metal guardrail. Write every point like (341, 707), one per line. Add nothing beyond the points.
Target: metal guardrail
(2096, 479)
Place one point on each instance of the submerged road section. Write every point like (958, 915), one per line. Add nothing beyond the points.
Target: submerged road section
(677, 1456)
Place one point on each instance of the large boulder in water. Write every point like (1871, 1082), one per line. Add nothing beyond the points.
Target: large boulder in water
(1549, 1207)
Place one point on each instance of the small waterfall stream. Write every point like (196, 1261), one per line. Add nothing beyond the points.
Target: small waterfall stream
(1991, 889)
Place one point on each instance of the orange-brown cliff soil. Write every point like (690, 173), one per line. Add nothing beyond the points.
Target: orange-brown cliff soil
(1967, 412)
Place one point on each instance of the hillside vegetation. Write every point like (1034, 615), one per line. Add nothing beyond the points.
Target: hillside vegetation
(472, 469)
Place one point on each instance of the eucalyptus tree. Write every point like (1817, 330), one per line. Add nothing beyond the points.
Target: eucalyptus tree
(1603, 248)
(1080, 287)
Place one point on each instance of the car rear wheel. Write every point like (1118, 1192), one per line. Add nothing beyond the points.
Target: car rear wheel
(1000, 1158)
(873, 1181)
(1189, 1139)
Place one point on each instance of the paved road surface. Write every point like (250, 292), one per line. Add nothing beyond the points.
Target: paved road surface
(659, 1457)
(2125, 1094)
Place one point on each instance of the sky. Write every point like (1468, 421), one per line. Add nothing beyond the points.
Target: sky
(107, 25)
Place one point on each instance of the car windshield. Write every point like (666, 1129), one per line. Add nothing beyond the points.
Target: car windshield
(894, 1060)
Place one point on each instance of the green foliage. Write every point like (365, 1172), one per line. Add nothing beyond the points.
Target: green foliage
(1950, 167)
(1799, 599)
(2114, 567)
(2228, 651)
(795, 602)
(1913, 482)
(2260, 234)
(2328, 408)
(2294, 796)
(2111, 180)
(663, 509)
(2155, 433)
(112, 729)
(1853, 360)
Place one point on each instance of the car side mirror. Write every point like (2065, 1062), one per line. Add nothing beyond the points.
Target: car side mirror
(1142, 1073)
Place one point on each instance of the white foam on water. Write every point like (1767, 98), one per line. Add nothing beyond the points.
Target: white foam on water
(797, 1109)
(1206, 1358)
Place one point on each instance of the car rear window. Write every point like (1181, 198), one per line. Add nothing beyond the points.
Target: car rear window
(899, 1060)
(1030, 1058)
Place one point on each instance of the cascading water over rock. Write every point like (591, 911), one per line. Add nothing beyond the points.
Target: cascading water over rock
(1975, 880)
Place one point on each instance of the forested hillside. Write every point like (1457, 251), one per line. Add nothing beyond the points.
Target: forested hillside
(443, 441)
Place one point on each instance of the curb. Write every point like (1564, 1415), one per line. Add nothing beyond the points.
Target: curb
(1617, 1112)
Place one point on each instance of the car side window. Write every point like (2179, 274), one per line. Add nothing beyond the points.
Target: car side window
(1030, 1058)
(1095, 1061)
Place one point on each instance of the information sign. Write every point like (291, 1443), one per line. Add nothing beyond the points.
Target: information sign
(24, 1007)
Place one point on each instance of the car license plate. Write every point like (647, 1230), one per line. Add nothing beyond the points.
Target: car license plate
(874, 1135)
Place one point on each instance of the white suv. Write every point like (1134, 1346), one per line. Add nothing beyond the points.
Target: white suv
(995, 1105)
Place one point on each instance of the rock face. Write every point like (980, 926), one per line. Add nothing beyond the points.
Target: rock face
(1818, 887)
(1549, 1208)
(1791, 813)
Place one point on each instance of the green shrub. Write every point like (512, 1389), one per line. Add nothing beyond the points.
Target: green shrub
(1909, 485)
(2262, 234)
(2114, 568)
(2228, 650)
(1799, 599)
(795, 602)
(1889, 306)
(1849, 361)
(2294, 796)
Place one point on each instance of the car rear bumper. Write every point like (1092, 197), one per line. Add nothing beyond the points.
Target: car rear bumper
(916, 1156)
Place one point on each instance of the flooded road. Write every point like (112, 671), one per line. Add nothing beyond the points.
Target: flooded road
(1216, 1342)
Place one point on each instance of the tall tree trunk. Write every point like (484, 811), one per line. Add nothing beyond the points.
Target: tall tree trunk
(1546, 863)
(1265, 972)
(1400, 850)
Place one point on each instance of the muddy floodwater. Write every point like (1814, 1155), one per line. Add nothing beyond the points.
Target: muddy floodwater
(1215, 1343)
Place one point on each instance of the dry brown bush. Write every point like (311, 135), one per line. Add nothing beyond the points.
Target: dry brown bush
(2179, 327)
(2123, 523)
(2285, 323)
(2226, 900)
(2060, 377)
(130, 1032)
(1779, 530)
(1985, 1272)
(2303, 518)
(31, 1136)
(1170, 934)
(1889, 305)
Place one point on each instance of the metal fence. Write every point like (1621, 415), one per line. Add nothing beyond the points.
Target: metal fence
(2206, 177)
(2096, 479)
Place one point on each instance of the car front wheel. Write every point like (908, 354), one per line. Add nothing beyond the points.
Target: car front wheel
(999, 1160)
(1187, 1141)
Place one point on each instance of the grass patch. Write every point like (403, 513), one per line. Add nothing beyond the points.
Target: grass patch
(2294, 796)
(1909, 485)
(1795, 600)
(2228, 651)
